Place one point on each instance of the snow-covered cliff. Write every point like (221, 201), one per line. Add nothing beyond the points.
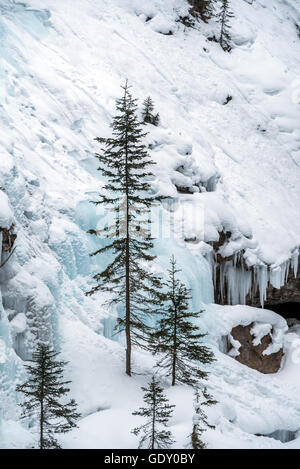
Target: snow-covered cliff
(61, 67)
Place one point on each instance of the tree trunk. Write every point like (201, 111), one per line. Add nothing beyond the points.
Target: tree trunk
(174, 354)
(42, 417)
(127, 271)
(153, 423)
(175, 336)
(42, 427)
(222, 26)
(127, 318)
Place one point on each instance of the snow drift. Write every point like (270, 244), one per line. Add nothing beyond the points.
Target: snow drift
(61, 70)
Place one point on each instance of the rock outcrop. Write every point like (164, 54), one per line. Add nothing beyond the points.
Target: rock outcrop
(7, 247)
(252, 355)
(237, 283)
(288, 293)
(8, 238)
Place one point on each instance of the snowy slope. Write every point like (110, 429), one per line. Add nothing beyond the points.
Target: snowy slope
(61, 65)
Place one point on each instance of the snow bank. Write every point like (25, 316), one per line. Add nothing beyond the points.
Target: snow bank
(220, 320)
(61, 69)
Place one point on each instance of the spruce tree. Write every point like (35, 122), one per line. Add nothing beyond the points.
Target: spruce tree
(43, 392)
(124, 161)
(202, 398)
(223, 17)
(202, 8)
(157, 412)
(147, 113)
(177, 338)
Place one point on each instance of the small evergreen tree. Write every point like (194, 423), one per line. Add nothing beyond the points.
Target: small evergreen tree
(124, 161)
(202, 8)
(147, 112)
(158, 411)
(43, 391)
(223, 17)
(177, 338)
(202, 398)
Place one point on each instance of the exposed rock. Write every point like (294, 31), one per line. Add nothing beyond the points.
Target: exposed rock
(8, 239)
(281, 435)
(288, 293)
(184, 190)
(224, 237)
(252, 355)
(7, 248)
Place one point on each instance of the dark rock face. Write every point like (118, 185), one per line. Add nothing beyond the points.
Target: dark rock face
(281, 435)
(8, 239)
(184, 190)
(288, 293)
(251, 355)
(7, 248)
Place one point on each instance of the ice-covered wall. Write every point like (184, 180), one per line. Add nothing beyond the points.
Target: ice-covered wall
(236, 282)
(61, 67)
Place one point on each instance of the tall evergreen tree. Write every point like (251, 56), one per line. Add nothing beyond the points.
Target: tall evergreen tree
(147, 112)
(177, 338)
(43, 391)
(203, 8)
(223, 17)
(202, 398)
(125, 163)
(158, 411)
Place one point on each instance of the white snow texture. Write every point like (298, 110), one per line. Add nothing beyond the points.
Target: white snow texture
(62, 63)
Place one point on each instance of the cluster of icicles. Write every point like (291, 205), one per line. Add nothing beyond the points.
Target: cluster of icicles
(237, 282)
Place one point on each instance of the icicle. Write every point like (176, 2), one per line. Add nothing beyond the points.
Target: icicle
(295, 261)
(286, 271)
(238, 282)
(276, 277)
(263, 284)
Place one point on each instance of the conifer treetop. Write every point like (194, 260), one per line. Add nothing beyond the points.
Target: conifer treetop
(178, 337)
(223, 16)
(147, 113)
(200, 421)
(43, 390)
(157, 412)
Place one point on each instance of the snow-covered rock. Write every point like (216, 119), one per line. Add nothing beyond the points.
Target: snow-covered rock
(61, 67)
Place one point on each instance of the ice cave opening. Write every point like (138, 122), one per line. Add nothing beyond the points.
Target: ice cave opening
(285, 436)
(288, 310)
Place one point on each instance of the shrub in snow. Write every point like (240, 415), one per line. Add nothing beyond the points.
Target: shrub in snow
(43, 391)
(202, 398)
(147, 113)
(157, 412)
(223, 17)
(177, 338)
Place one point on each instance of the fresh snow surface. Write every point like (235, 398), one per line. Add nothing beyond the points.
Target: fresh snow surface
(61, 67)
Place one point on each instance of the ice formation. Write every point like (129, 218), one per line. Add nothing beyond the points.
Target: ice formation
(238, 162)
(239, 281)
